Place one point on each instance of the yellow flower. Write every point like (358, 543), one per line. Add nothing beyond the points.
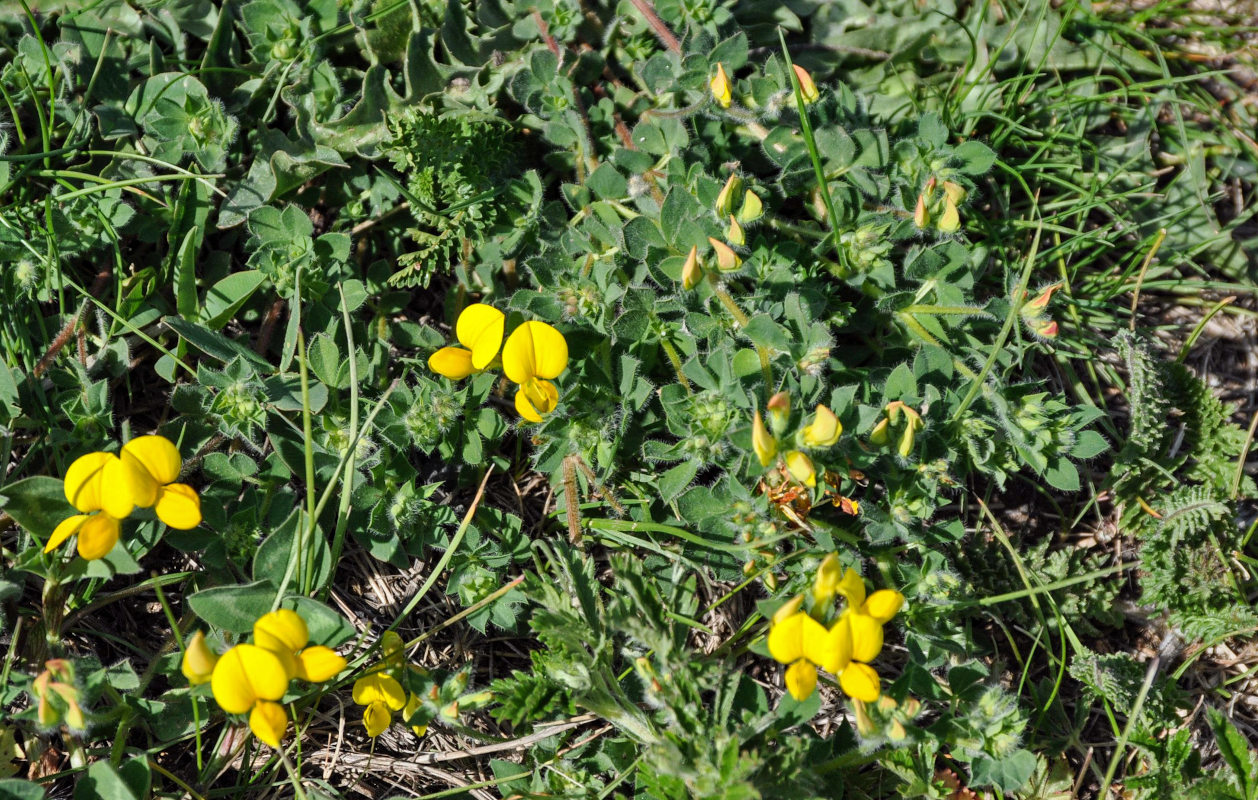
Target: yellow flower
(805, 644)
(284, 633)
(382, 695)
(735, 233)
(752, 208)
(824, 429)
(720, 87)
(800, 466)
(864, 618)
(950, 222)
(534, 353)
(807, 88)
(143, 475)
(762, 441)
(198, 660)
(250, 679)
(412, 705)
(479, 329)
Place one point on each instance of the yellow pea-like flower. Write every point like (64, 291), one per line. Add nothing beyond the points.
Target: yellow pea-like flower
(285, 634)
(479, 329)
(800, 466)
(726, 259)
(98, 533)
(861, 682)
(245, 675)
(826, 582)
(381, 695)
(412, 705)
(534, 353)
(824, 430)
(146, 471)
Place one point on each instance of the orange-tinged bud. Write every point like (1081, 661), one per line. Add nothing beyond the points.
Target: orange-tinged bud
(691, 272)
(1047, 330)
(726, 259)
(779, 411)
(720, 87)
(921, 217)
(955, 192)
(1041, 300)
(735, 233)
(807, 87)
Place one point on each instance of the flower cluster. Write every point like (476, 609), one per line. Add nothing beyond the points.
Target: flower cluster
(806, 633)
(106, 488)
(252, 678)
(821, 432)
(381, 693)
(534, 354)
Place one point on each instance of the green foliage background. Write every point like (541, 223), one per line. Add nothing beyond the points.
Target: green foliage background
(246, 225)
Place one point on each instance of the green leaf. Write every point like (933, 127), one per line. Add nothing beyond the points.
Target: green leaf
(37, 503)
(234, 608)
(607, 182)
(763, 331)
(225, 298)
(1090, 445)
(674, 481)
(1007, 774)
(1063, 475)
(212, 343)
(103, 782)
(976, 158)
(15, 789)
(1235, 751)
(271, 560)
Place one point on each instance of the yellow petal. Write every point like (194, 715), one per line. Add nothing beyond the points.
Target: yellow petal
(817, 642)
(198, 660)
(157, 455)
(246, 674)
(412, 705)
(125, 483)
(454, 363)
(379, 688)
(807, 87)
(534, 350)
(376, 719)
(861, 682)
(827, 580)
(788, 609)
(726, 259)
(884, 604)
(535, 399)
(479, 329)
(762, 441)
(837, 650)
(691, 272)
(801, 680)
(866, 636)
(824, 429)
(800, 467)
(317, 664)
(852, 588)
(83, 480)
(391, 649)
(786, 638)
(178, 506)
(720, 86)
(281, 631)
(269, 723)
(98, 536)
(64, 530)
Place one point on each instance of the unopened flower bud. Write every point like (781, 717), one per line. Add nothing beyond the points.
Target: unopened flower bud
(726, 259)
(1041, 300)
(198, 660)
(725, 200)
(955, 192)
(752, 208)
(950, 222)
(800, 466)
(826, 582)
(720, 87)
(691, 272)
(807, 88)
(824, 429)
(735, 233)
(779, 411)
(921, 217)
(762, 441)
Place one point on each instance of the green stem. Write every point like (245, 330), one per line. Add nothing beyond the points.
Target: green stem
(675, 359)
